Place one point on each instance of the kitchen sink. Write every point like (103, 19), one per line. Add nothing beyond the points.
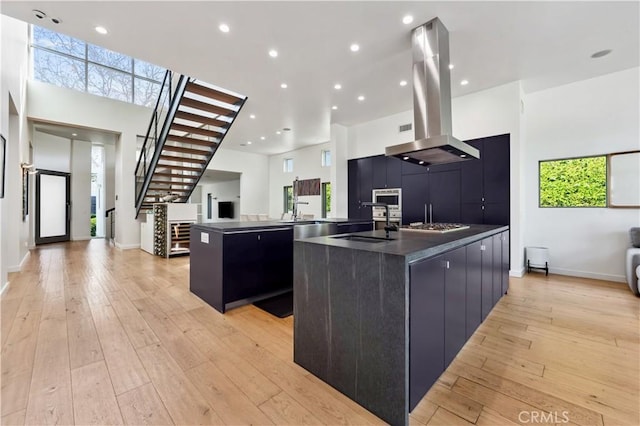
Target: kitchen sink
(363, 238)
(311, 229)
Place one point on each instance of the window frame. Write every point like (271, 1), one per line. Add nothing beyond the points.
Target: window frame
(326, 208)
(86, 61)
(287, 200)
(606, 203)
(324, 154)
(285, 163)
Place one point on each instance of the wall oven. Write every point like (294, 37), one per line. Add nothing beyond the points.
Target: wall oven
(393, 198)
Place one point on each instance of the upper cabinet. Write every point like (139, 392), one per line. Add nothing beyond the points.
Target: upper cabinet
(473, 191)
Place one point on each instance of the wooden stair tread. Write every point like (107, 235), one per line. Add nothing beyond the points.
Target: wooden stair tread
(192, 141)
(174, 175)
(178, 159)
(196, 130)
(185, 168)
(212, 93)
(169, 190)
(184, 115)
(203, 106)
(184, 150)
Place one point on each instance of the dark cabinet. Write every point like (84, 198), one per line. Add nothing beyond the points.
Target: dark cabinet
(348, 228)
(426, 326)
(353, 189)
(437, 318)
(365, 185)
(415, 198)
(486, 276)
(379, 171)
(455, 293)
(474, 288)
(497, 268)
(444, 195)
(394, 172)
(505, 261)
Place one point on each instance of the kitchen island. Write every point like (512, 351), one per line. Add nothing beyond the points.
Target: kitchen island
(381, 319)
(235, 263)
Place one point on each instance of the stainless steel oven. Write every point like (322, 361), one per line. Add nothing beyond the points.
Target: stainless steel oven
(393, 198)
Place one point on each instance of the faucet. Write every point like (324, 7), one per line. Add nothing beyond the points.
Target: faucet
(295, 200)
(388, 227)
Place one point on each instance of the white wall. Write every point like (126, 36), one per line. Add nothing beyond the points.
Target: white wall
(220, 191)
(590, 117)
(339, 176)
(490, 112)
(307, 164)
(254, 181)
(80, 190)
(85, 110)
(51, 152)
(14, 233)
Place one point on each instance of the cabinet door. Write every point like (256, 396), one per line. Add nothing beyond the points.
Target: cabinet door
(505, 262)
(426, 326)
(496, 213)
(415, 192)
(444, 195)
(471, 213)
(276, 248)
(242, 266)
(412, 168)
(487, 277)
(471, 178)
(497, 267)
(379, 166)
(353, 189)
(495, 158)
(474, 288)
(454, 303)
(394, 172)
(365, 184)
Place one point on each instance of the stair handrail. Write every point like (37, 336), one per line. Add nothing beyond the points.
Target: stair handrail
(160, 139)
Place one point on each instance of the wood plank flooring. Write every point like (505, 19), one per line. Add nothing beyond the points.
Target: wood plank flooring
(94, 335)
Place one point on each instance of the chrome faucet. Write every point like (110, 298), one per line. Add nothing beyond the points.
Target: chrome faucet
(295, 200)
(388, 227)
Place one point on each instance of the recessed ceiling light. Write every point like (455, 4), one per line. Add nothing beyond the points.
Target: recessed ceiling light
(361, 98)
(463, 155)
(601, 53)
(284, 85)
(335, 107)
(39, 14)
(354, 47)
(403, 83)
(249, 142)
(252, 116)
(278, 132)
(407, 19)
(421, 162)
(56, 20)
(74, 134)
(286, 129)
(101, 30)
(224, 28)
(464, 82)
(273, 53)
(405, 158)
(262, 138)
(450, 66)
(337, 86)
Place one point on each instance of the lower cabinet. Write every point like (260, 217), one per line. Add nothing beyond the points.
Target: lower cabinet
(450, 295)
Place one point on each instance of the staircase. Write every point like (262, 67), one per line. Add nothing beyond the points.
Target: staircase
(189, 122)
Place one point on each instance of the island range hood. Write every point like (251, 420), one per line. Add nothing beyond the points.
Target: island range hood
(434, 143)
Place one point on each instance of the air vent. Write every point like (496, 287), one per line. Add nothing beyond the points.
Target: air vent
(405, 127)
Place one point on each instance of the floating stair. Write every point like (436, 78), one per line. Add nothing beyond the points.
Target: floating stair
(197, 119)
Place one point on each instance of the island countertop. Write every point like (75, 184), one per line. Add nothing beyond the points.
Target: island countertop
(266, 224)
(413, 245)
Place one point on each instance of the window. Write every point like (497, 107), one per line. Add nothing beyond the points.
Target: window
(68, 62)
(288, 198)
(287, 165)
(326, 158)
(574, 182)
(326, 198)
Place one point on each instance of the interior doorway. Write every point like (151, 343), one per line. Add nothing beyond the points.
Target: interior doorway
(53, 202)
(97, 191)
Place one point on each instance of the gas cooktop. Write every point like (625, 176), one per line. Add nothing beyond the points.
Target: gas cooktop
(434, 227)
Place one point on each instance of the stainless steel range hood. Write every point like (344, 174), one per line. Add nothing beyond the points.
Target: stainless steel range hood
(434, 143)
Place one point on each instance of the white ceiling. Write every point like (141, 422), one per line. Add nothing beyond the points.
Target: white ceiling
(76, 133)
(544, 44)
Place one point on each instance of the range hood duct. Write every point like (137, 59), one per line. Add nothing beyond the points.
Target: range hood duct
(433, 143)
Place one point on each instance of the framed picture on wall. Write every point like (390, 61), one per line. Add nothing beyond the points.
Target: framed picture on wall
(3, 160)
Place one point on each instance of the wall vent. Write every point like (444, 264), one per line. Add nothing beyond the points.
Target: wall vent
(405, 127)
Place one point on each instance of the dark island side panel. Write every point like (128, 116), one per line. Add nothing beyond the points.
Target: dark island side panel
(205, 275)
(351, 323)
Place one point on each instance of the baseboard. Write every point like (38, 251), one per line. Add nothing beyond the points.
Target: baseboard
(4, 287)
(18, 268)
(519, 273)
(83, 238)
(127, 246)
(591, 275)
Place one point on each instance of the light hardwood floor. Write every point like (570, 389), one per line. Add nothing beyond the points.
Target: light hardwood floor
(94, 335)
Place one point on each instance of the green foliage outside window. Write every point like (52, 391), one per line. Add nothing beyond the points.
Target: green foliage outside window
(575, 182)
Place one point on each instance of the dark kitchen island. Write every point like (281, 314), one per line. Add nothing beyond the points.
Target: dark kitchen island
(380, 320)
(235, 263)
